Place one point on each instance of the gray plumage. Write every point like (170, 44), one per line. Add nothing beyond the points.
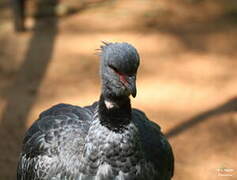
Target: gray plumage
(105, 141)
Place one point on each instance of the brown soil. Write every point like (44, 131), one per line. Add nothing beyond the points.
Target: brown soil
(187, 80)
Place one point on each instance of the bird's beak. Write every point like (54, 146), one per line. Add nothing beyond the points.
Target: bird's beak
(131, 85)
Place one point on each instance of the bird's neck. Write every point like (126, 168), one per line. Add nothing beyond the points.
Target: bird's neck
(114, 112)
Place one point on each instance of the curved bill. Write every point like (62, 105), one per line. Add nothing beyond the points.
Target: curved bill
(131, 85)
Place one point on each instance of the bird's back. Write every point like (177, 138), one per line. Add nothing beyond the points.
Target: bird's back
(156, 148)
(54, 143)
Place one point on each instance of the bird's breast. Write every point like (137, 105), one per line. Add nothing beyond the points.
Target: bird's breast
(112, 154)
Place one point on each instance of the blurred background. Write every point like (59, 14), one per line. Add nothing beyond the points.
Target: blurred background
(187, 81)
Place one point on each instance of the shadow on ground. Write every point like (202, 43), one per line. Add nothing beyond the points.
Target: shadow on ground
(27, 81)
(194, 28)
(229, 106)
(199, 38)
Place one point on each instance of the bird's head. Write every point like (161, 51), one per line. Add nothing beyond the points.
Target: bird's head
(119, 64)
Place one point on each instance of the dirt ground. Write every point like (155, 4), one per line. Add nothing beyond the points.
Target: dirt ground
(187, 80)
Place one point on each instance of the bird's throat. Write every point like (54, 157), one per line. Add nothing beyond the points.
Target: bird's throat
(115, 113)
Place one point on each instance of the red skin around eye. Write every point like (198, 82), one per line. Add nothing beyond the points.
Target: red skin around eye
(122, 77)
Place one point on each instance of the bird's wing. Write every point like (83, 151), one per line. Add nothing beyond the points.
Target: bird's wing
(156, 146)
(54, 142)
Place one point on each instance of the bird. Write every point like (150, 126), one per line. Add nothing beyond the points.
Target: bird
(108, 140)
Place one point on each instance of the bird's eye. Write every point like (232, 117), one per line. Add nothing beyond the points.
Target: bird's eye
(114, 68)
